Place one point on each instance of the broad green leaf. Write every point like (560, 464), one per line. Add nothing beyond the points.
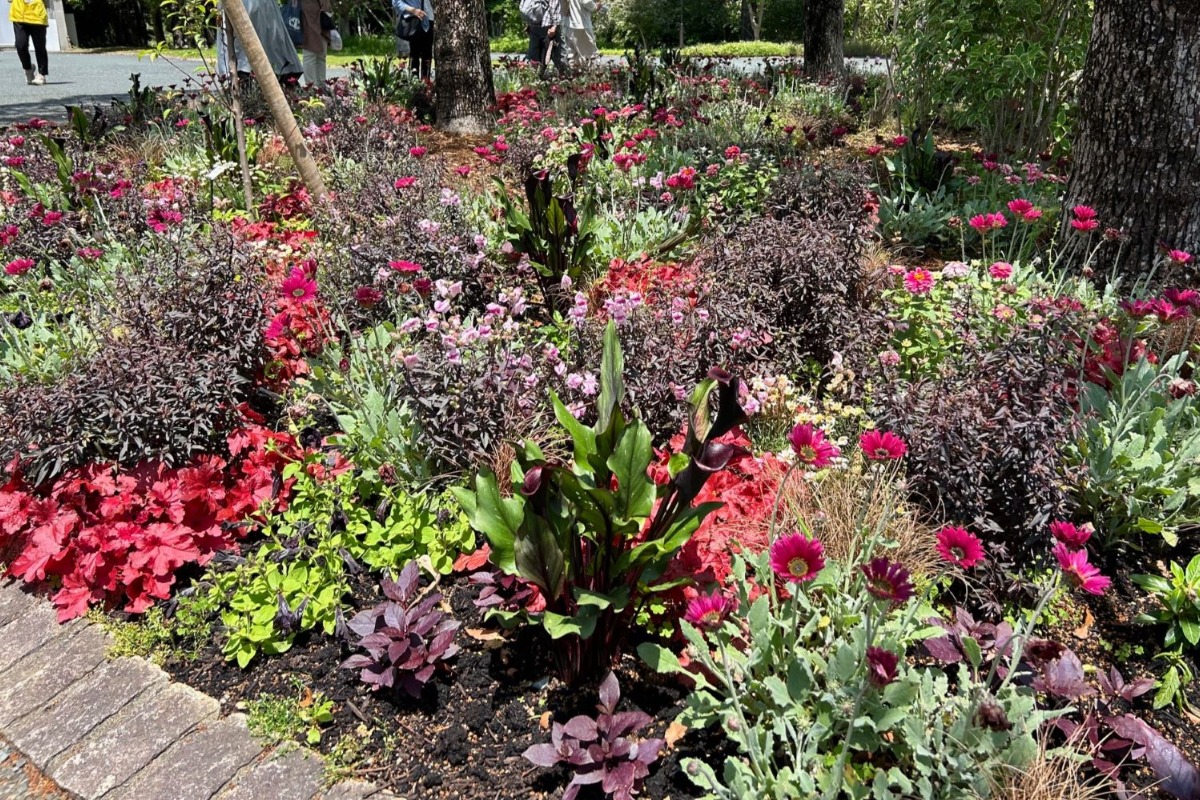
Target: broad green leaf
(539, 558)
(612, 384)
(635, 491)
(497, 518)
(582, 624)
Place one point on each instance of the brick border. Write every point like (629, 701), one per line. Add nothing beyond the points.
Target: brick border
(121, 730)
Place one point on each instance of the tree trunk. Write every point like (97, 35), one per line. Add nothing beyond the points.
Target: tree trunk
(281, 112)
(1137, 153)
(746, 23)
(823, 54)
(463, 85)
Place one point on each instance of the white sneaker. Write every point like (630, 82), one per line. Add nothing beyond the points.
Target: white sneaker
(40, 80)
(29, 76)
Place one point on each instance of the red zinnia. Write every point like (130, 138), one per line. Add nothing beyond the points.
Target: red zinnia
(1070, 535)
(1024, 210)
(811, 447)
(959, 546)
(1085, 218)
(795, 558)
(709, 611)
(918, 281)
(298, 286)
(882, 446)
(888, 580)
(19, 266)
(881, 666)
(1079, 572)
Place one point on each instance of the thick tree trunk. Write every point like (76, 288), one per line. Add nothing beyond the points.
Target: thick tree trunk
(463, 87)
(823, 53)
(746, 28)
(1137, 154)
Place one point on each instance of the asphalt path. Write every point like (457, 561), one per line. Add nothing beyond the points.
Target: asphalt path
(84, 79)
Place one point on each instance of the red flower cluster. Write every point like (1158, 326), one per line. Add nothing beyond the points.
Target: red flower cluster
(101, 534)
(656, 281)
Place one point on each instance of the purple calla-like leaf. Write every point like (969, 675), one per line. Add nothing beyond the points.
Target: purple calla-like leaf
(581, 727)
(1176, 774)
(541, 755)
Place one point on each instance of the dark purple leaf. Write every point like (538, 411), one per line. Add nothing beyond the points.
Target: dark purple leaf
(1176, 774)
(943, 649)
(610, 693)
(581, 727)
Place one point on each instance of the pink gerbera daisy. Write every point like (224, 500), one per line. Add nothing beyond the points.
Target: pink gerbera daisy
(959, 546)
(298, 286)
(918, 281)
(1081, 574)
(882, 446)
(1070, 535)
(811, 447)
(888, 580)
(796, 558)
(709, 611)
(405, 266)
(1179, 257)
(881, 666)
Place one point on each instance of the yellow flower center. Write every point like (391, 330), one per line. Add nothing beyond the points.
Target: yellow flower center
(798, 567)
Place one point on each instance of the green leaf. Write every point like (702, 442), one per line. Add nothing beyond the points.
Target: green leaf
(582, 624)
(617, 600)
(583, 437)
(1191, 631)
(635, 491)
(539, 558)
(612, 384)
(973, 653)
(659, 658)
(497, 518)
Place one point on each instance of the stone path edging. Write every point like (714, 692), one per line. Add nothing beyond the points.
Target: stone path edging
(121, 730)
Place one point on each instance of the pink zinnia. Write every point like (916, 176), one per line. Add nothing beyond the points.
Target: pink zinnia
(1024, 210)
(1184, 297)
(732, 152)
(405, 266)
(19, 266)
(811, 447)
(882, 446)
(1069, 534)
(709, 611)
(918, 281)
(1168, 312)
(417, 152)
(1001, 270)
(959, 546)
(887, 580)
(298, 286)
(405, 182)
(1085, 218)
(795, 558)
(1079, 572)
(881, 666)
(463, 170)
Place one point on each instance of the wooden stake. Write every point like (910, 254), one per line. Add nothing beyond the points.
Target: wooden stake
(285, 120)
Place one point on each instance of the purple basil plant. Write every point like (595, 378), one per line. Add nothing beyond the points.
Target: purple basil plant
(404, 643)
(599, 749)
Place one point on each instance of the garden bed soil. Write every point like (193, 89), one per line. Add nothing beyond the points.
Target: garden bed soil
(463, 738)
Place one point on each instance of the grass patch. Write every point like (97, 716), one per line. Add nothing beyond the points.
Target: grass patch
(274, 718)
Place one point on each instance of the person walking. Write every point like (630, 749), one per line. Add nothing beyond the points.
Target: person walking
(30, 21)
(316, 39)
(418, 14)
(544, 20)
(580, 33)
(272, 34)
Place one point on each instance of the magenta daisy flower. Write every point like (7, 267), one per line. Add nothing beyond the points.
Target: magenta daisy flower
(406, 182)
(367, 296)
(811, 447)
(298, 286)
(918, 281)
(795, 558)
(888, 580)
(1179, 257)
(709, 611)
(1070, 535)
(959, 546)
(1079, 572)
(407, 267)
(881, 666)
(882, 446)
(18, 266)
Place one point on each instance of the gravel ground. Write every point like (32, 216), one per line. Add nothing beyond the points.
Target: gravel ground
(20, 780)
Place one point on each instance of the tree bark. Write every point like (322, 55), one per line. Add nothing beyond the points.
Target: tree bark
(1137, 153)
(463, 84)
(824, 56)
(285, 120)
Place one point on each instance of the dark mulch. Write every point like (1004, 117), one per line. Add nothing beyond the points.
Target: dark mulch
(463, 738)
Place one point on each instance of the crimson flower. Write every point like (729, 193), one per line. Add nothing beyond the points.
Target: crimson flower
(367, 296)
(405, 266)
(19, 266)
(983, 223)
(918, 281)
(1024, 210)
(1179, 257)
(882, 446)
(1085, 218)
(1184, 297)
(1081, 574)
(709, 611)
(899, 141)
(959, 546)
(1070, 535)
(888, 580)
(874, 150)
(405, 182)
(811, 447)
(417, 151)
(796, 558)
(1167, 312)
(1001, 270)
(881, 666)
(298, 286)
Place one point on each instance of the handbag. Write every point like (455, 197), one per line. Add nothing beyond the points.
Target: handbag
(327, 22)
(408, 27)
(291, 20)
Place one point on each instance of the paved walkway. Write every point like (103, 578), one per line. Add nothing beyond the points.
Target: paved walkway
(120, 730)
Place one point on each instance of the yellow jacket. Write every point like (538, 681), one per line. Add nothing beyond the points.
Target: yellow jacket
(30, 12)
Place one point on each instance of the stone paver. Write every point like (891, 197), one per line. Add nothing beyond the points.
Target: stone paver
(33, 681)
(46, 732)
(196, 766)
(27, 632)
(124, 744)
(349, 790)
(295, 775)
(13, 601)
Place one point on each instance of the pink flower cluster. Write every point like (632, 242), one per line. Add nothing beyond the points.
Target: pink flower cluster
(1073, 558)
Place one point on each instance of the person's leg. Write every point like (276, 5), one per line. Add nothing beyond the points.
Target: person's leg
(309, 59)
(38, 34)
(321, 72)
(557, 55)
(22, 45)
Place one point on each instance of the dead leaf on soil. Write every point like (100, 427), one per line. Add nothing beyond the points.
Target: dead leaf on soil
(545, 721)
(1085, 630)
(490, 639)
(675, 732)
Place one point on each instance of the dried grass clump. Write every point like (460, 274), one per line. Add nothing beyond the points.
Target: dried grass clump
(1048, 777)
